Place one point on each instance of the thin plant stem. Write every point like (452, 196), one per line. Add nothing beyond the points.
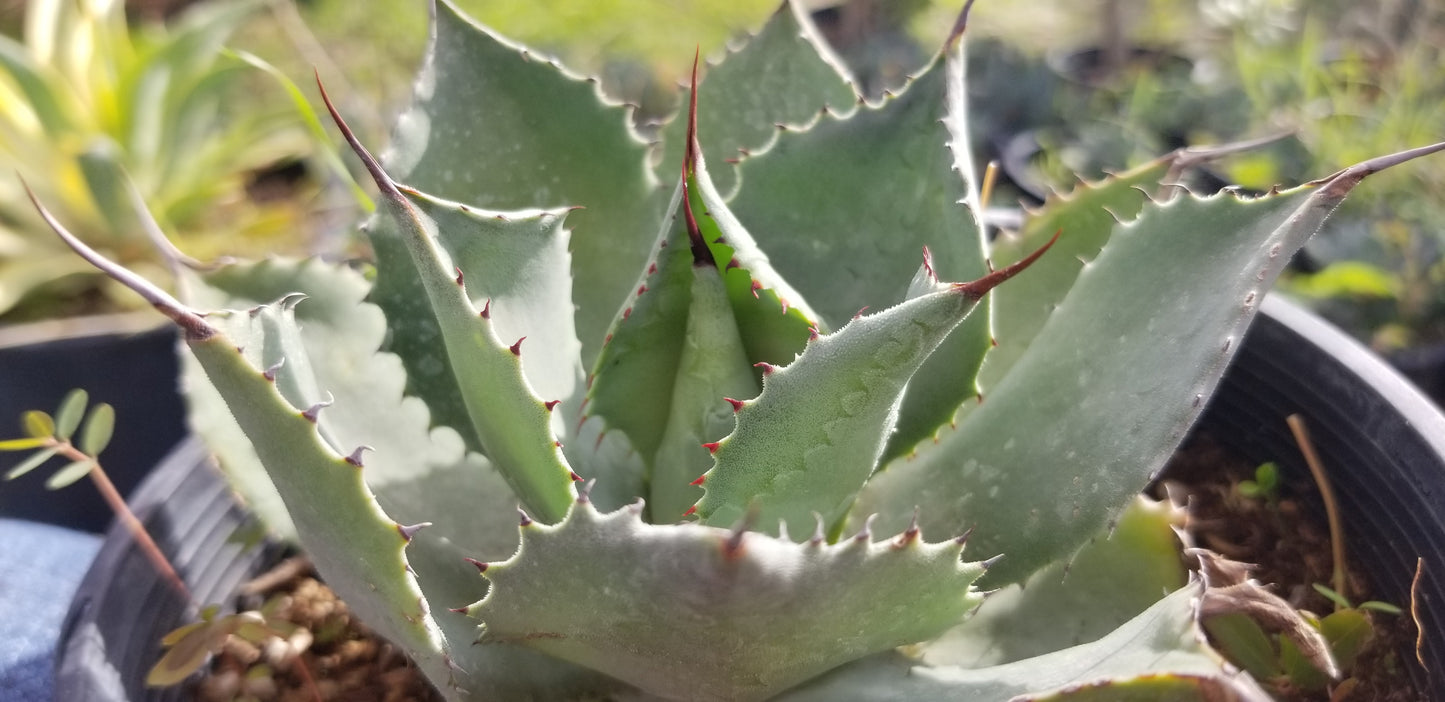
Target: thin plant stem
(307, 678)
(1415, 613)
(985, 192)
(1327, 494)
(122, 512)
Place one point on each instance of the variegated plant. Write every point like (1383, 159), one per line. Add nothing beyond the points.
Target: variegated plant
(749, 434)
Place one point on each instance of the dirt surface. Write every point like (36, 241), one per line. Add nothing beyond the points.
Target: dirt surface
(335, 657)
(1289, 540)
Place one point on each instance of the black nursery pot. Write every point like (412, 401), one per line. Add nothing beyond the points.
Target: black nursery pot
(128, 361)
(1382, 443)
(122, 609)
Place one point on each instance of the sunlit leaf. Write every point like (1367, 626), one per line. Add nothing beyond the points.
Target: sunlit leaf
(188, 653)
(23, 444)
(72, 409)
(98, 429)
(69, 474)
(38, 425)
(31, 463)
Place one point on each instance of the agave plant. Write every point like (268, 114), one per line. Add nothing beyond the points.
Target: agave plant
(760, 446)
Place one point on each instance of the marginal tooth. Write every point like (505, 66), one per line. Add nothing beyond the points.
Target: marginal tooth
(355, 457)
(783, 530)
(865, 535)
(573, 475)
(290, 301)
(584, 495)
(270, 373)
(314, 410)
(551, 404)
(817, 538)
(516, 348)
(732, 546)
(487, 309)
(989, 562)
(712, 446)
(460, 278)
(481, 566)
(910, 534)
(690, 511)
(700, 480)
(962, 539)
(737, 404)
(409, 531)
(526, 520)
(768, 368)
(637, 506)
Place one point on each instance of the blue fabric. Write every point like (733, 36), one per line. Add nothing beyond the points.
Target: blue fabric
(40, 567)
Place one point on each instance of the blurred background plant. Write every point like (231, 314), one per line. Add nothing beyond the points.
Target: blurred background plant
(1336, 79)
(96, 114)
(1351, 76)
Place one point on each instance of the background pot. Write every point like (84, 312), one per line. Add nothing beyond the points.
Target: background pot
(128, 361)
(1382, 442)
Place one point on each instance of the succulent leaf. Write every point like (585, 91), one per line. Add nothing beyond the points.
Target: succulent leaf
(1084, 219)
(814, 435)
(1163, 640)
(785, 74)
(512, 423)
(711, 367)
(631, 386)
(340, 523)
(1113, 578)
(774, 319)
(687, 341)
(1140, 359)
(418, 474)
(844, 207)
(547, 140)
(695, 612)
(517, 267)
(1155, 687)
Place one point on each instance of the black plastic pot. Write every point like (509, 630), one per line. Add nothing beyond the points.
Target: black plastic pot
(1382, 442)
(111, 636)
(127, 361)
(1425, 367)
